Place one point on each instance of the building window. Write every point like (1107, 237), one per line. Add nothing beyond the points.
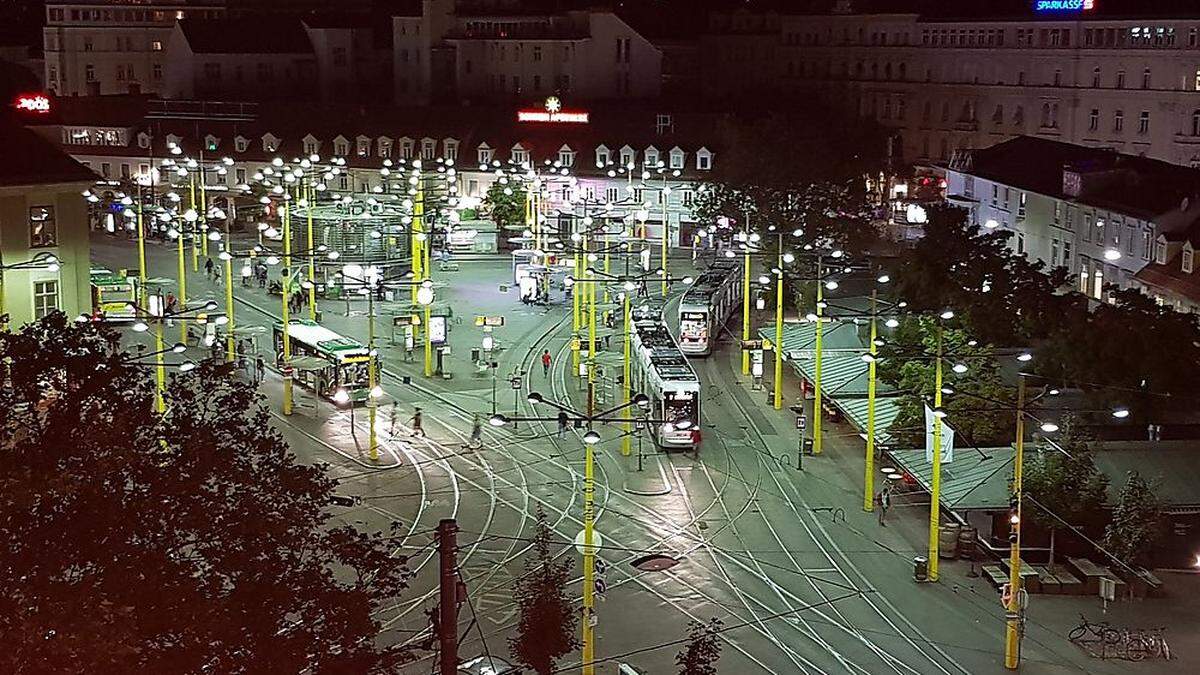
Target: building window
(687, 198)
(610, 194)
(1020, 243)
(1094, 119)
(451, 150)
(364, 147)
(1196, 122)
(240, 144)
(1146, 79)
(1187, 261)
(89, 72)
(1066, 255)
(45, 298)
(675, 159)
(566, 158)
(537, 53)
(43, 228)
(157, 71)
(638, 193)
(1096, 77)
(156, 46)
(1144, 122)
(1120, 79)
(703, 161)
(1021, 206)
(485, 156)
(1119, 121)
(1160, 252)
(602, 158)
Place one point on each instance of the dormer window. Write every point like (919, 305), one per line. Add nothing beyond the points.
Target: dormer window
(270, 143)
(341, 146)
(428, 149)
(627, 157)
(211, 142)
(363, 146)
(566, 156)
(143, 139)
(519, 154)
(704, 159)
(1187, 259)
(383, 146)
(406, 148)
(241, 143)
(603, 156)
(675, 158)
(312, 146)
(485, 154)
(450, 149)
(1160, 252)
(650, 156)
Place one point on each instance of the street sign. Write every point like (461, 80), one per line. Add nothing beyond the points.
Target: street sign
(601, 586)
(516, 382)
(489, 321)
(1005, 595)
(801, 422)
(600, 566)
(752, 344)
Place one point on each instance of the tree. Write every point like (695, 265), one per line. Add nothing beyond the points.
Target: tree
(1066, 485)
(981, 408)
(184, 542)
(548, 624)
(703, 649)
(506, 201)
(1135, 526)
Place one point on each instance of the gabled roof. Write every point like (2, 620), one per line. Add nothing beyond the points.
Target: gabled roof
(41, 162)
(284, 35)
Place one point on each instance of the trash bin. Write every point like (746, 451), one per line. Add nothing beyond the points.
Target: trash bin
(920, 569)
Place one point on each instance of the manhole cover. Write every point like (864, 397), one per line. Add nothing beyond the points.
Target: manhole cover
(655, 562)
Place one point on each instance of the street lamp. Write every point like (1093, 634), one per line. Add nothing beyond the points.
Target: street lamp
(156, 313)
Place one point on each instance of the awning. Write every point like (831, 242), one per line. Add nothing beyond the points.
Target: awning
(972, 482)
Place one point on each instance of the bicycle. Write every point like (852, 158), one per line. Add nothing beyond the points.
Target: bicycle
(1088, 632)
(1156, 644)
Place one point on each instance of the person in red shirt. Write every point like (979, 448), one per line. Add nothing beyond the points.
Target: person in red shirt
(546, 363)
(696, 438)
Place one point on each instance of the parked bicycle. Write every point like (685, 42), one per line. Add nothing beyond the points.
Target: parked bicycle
(1102, 640)
(1088, 632)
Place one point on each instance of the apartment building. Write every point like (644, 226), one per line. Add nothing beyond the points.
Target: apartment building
(464, 50)
(1128, 84)
(671, 152)
(1102, 215)
(95, 47)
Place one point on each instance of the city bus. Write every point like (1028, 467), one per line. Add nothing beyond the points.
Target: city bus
(325, 361)
(114, 296)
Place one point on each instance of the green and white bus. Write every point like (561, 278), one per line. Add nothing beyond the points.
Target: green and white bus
(325, 361)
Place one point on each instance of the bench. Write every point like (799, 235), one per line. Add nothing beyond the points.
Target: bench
(995, 575)
(1048, 581)
(1068, 583)
(1090, 573)
(1144, 583)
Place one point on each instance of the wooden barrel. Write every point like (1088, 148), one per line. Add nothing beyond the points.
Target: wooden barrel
(967, 542)
(948, 541)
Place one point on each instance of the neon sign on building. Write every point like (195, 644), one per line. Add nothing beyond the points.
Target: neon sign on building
(34, 103)
(1050, 6)
(553, 112)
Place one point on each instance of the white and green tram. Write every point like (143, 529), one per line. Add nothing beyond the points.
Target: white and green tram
(325, 361)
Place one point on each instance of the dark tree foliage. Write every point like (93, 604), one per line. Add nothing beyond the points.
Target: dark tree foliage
(703, 649)
(1065, 484)
(1136, 522)
(766, 176)
(190, 542)
(1004, 298)
(506, 203)
(547, 628)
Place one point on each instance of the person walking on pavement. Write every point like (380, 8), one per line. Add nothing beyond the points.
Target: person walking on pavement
(696, 438)
(260, 369)
(476, 432)
(415, 423)
(208, 268)
(546, 363)
(883, 500)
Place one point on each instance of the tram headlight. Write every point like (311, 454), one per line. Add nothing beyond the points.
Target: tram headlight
(341, 396)
(641, 400)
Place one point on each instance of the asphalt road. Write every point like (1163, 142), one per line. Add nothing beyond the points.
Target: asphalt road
(804, 581)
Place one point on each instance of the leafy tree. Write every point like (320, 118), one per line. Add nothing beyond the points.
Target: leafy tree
(1135, 526)
(506, 202)
(547, 627)
(979, 410)
(703, 649)
(188, 542)
(1066, 484)
(1003, 298)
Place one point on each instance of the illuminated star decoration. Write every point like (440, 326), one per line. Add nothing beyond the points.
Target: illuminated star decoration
(553, 105)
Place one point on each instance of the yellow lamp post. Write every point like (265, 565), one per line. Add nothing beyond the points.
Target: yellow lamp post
(285, 283)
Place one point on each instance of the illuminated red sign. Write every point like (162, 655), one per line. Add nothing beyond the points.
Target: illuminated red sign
(552, 112)
(34, 103)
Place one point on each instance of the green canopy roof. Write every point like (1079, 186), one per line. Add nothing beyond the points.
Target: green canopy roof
(974, 481)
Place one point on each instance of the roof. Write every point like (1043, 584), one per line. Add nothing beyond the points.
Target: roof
(41, 162)
(1147, 187)
(1171, 277)
(974, 481)
(1170, 467)
(246, 35)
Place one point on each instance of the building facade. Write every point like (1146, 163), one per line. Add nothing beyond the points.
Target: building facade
(44, 250)
(1101, 215)
(671, 153)
(95, 47)
(1128, 84)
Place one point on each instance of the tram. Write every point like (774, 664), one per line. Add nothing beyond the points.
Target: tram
(326, 361)
(706, 306)
(662, 372)
(114, 296)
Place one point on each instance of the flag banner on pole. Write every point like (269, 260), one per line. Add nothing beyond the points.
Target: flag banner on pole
(947, 438)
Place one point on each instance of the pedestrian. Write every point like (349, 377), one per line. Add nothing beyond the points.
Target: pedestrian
(392, 425)
(415, 423)
(546, 363)
(208, 268)
(260, 369)
(476, 432)
(563, 424)
(696, 438)
(883, 501)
